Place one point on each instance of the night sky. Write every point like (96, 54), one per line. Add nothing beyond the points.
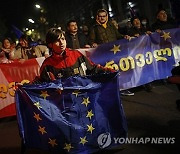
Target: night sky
(17, 12)
(14, 11)
(57, 12)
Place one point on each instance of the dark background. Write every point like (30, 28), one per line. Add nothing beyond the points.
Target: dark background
(57, 12)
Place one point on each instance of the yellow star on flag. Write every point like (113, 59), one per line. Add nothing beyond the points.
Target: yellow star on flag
(52, 142)
(36, 116)
(37, 104)
(115, 49)
(42, 130)
(44, 94)
(83, 140)
(68, 147)
(76, 93)
(166, 35)
(90, 128)
(89, 114)
(85, 101)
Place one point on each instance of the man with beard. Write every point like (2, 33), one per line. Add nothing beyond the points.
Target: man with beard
(104, 31)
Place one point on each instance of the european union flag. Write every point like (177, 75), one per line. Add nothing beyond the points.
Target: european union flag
(74, 115)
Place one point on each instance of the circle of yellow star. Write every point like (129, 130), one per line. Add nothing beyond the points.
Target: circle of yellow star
(68, 147)
(44, 94)
(42, 130)
(37, 117)
(90, 128)
(83, 140)
(85, 101)
(89, 114)
(52, 142)
(115, 48)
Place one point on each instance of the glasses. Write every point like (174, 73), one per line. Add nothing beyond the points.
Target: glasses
(101, 16)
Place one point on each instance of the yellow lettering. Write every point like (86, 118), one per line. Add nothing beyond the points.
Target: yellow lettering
(141, 61)
(124, 64)
(12, 89)
(3, 91)
(112, 65)
(132, 63)
(158, 54)
(167, 51)
(25, 81)
(150, 58)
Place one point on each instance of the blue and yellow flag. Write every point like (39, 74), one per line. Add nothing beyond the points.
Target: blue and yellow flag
(74, 115)
(141, 60)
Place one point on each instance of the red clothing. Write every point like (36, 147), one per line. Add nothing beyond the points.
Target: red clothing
(70, 63)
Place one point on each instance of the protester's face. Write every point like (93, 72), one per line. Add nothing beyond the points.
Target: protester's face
(114, 22)
(85, 30)
(73, 27)
(162, 16)
(102, 17)
(136, 23)
(60, 45)
(23, 43)
(6, 44)
(144, 21)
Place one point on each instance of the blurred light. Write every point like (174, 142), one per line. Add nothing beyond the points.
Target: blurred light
(131, 4)
(111, 14)
(31, 21)
(26, 28)
(17, 41)
(32, 30)
(109, 6)
(38, 6)
(42, 10)
(29, 32)
(59, 28)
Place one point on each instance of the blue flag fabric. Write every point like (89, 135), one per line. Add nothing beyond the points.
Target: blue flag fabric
(141, 60)
(17, 31)
(75, 115)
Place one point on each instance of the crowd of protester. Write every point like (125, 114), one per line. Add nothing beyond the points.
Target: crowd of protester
(103, 31)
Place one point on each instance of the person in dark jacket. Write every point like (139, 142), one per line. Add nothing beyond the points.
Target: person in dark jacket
(145, 23)
(74, 38)
(65, 62)
(104, 31)
(137, 28)
(163, 22)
